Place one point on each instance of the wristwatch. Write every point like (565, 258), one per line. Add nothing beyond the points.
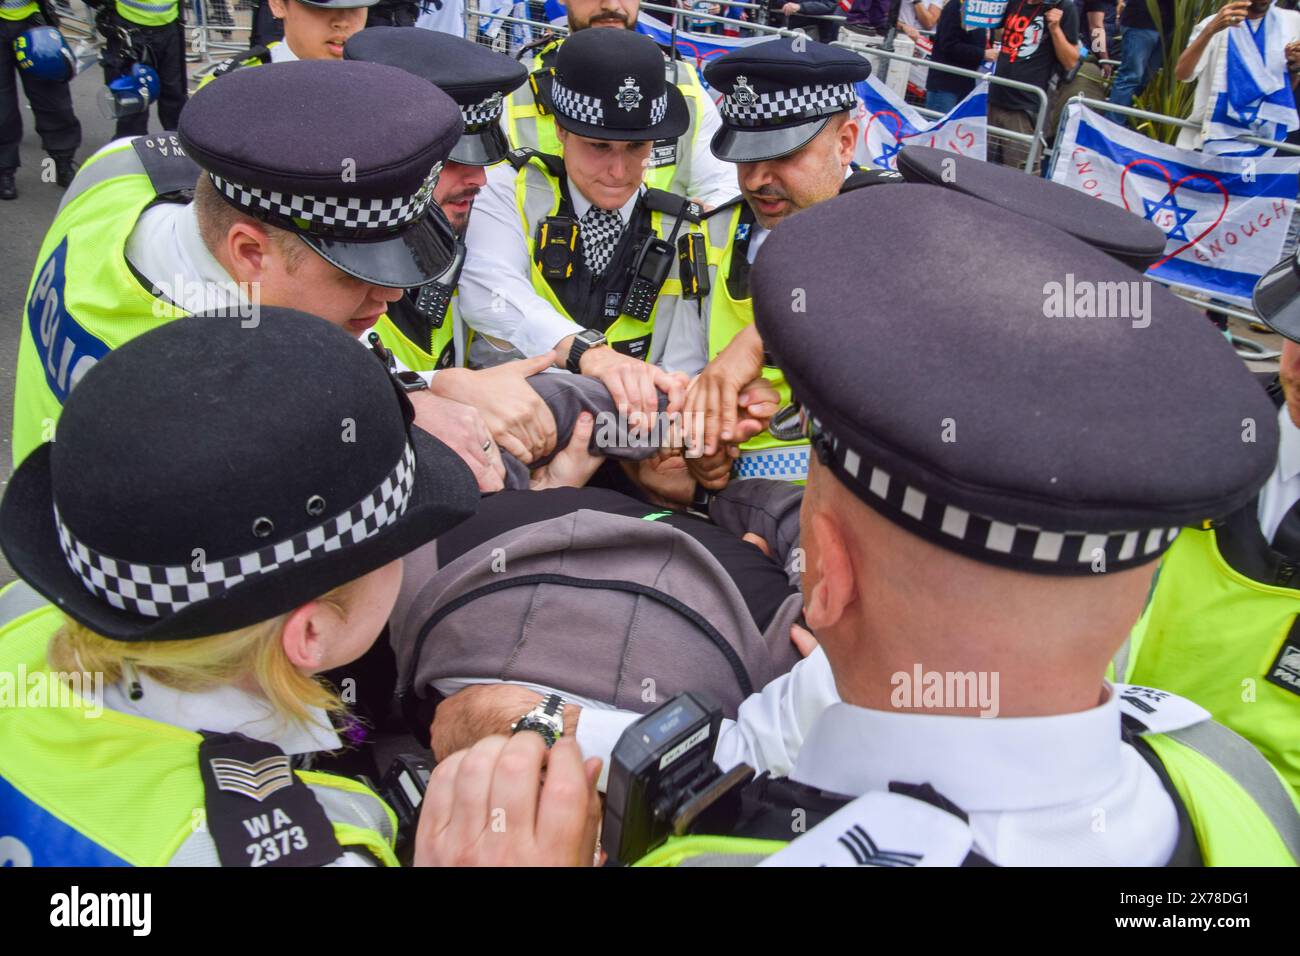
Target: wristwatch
(547, 719)
(586, 339)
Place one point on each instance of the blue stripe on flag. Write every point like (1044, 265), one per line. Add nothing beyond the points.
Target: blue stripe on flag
(1281, 186)
(1239, 285)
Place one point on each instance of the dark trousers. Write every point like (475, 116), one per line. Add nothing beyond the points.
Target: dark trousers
(163, 48)
(51, 103)
(266, 28)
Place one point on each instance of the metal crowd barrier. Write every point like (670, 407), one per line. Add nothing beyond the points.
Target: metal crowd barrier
(204, 46)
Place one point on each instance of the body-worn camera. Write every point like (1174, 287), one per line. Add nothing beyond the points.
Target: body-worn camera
(662, 776)
(556, 246)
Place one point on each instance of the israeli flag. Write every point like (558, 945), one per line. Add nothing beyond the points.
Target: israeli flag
(1251, 93)
(889, 124)
(1225, 218)
(695, 48)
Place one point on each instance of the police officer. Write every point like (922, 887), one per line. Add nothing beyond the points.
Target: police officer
(679, 164)
(334, 215)
(313, 30)
(424, 328)
(44, 73)
(1221, 625)
(965, 525)
(572, 252)
(788, 124)
(196, 617)
(140, 31)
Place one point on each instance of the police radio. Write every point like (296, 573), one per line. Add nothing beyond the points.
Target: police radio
(662, 777)
(556, 246)
(432, 299)
(654, 261)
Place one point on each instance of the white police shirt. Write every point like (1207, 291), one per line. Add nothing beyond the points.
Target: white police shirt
(496, 292)
(280, 52)
(1282, 490)
(1045, 791)
(1063, 790)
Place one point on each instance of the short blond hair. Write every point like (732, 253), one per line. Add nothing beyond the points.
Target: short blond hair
(216, 217)
(251, 656)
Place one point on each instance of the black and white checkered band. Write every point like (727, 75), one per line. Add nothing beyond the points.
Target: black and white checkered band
(157, 590)
(341, 217)
(588, 109)
(576, 106)
(1019, 546)
(744, 107)
(482, 114)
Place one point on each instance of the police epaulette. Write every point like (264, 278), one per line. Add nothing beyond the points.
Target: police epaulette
(254, 56)
(731, 203)
(671, 204)
(547, 43)
(519, 157)
(866, 176)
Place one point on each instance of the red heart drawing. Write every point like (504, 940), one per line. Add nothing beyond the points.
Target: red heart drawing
(1173, 186)
(898, 125)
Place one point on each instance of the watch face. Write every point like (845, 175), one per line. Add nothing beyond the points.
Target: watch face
(538, 727)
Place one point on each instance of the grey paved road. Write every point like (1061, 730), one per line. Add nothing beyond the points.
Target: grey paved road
(22, 227)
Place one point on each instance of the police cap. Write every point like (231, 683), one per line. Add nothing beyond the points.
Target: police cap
(998, 406)
(191, 511)
(778, 95)
(475, 77)
(611, 85)
(346, 155)
(1125, 235)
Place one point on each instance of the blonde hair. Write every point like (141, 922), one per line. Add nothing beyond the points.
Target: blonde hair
(216, 216)
(250, 657)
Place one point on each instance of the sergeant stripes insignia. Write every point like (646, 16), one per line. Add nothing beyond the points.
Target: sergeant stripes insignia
(864, 850)
(256, 780)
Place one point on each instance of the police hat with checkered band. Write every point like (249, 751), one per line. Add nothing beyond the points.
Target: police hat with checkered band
(474, 76)
(610, 85)
(1125, 235)
(346, 155)
(222, 493)
(779, 94)
(1001, 422)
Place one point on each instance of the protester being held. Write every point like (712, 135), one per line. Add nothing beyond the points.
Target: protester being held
(1245, 60)
(210, 561)
(1039, 39)
(954, 45)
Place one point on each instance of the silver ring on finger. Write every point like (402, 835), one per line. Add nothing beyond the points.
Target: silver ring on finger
(487, 446)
